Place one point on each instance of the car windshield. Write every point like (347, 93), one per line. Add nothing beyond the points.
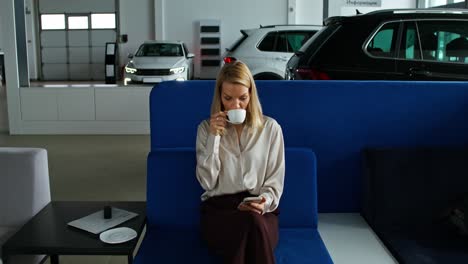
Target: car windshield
(160, 49)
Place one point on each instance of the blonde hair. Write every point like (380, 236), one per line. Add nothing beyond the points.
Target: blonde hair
(238, 73)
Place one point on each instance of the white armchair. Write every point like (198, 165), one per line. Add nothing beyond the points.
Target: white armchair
(24, 191)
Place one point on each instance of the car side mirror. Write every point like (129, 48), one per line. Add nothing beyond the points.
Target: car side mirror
(130, 55)
(190, 55)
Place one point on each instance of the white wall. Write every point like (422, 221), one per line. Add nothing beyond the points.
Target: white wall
(1, 39)
(309, 12)
(336, 7)
(3, 110)
(180, 18)
(84, 110)
(437, 2)
(137, 21)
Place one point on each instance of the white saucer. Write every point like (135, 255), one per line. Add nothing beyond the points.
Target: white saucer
(117, 235)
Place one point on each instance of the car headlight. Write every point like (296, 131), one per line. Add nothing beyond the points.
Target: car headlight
(129, 69)
(177, 70)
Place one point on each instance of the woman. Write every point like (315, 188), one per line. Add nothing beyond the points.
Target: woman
(238, 161)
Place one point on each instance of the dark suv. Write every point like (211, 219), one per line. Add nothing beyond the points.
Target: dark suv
(421, 44)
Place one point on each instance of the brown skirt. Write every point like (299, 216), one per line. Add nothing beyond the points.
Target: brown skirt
(238, 236)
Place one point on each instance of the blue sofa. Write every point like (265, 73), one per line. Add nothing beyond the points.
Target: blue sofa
(335, 119)
(173, 210)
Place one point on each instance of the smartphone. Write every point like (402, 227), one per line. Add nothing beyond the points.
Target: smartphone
(257, 199)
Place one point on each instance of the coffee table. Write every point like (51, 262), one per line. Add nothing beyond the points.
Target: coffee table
(47, 232)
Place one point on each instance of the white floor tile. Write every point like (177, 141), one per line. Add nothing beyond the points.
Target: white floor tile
(350, 240)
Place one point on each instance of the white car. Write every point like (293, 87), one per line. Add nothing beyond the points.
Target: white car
(158, 61)
(267, 49)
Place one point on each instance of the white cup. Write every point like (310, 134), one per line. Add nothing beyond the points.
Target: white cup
(236, 116)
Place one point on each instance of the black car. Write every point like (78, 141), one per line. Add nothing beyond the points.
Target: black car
(417, 44)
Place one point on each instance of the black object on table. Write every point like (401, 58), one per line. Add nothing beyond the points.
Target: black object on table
(47, 233)
(107, 212)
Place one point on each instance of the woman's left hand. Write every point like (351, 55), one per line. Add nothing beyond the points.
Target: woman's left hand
(256, 207)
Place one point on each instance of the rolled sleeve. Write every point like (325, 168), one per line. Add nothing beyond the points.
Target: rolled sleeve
(208, 162)
(274, 179)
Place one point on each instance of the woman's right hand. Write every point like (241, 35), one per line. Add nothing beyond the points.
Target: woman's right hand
(217, 123)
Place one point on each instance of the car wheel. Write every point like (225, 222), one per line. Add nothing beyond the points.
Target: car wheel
(267, 76)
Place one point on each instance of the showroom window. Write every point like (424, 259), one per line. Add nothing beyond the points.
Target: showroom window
(72, 39)
(57, 21)
(102, 21)
(73, 45)
(52, 21)
(442, 3)
(78, 22)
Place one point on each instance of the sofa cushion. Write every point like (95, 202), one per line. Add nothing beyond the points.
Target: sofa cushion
(302, 245)
(406, 189)
(430, 247)
(171, 176)
(298, 205)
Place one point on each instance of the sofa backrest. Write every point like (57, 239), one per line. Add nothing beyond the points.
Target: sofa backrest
(24, 185)
(173, 192)
(24, 191)
(337, 119)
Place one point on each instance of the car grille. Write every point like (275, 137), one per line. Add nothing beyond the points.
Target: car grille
(153, 72)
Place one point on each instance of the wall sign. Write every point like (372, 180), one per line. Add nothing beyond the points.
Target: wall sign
(360, 3)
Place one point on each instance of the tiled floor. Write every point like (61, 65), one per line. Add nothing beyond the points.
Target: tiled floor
(350, 240)
(92, 168)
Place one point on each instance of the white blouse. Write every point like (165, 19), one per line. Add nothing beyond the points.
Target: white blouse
(255, 164)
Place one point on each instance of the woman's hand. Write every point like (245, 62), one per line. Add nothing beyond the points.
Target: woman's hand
(256, 207)
(217, 123)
